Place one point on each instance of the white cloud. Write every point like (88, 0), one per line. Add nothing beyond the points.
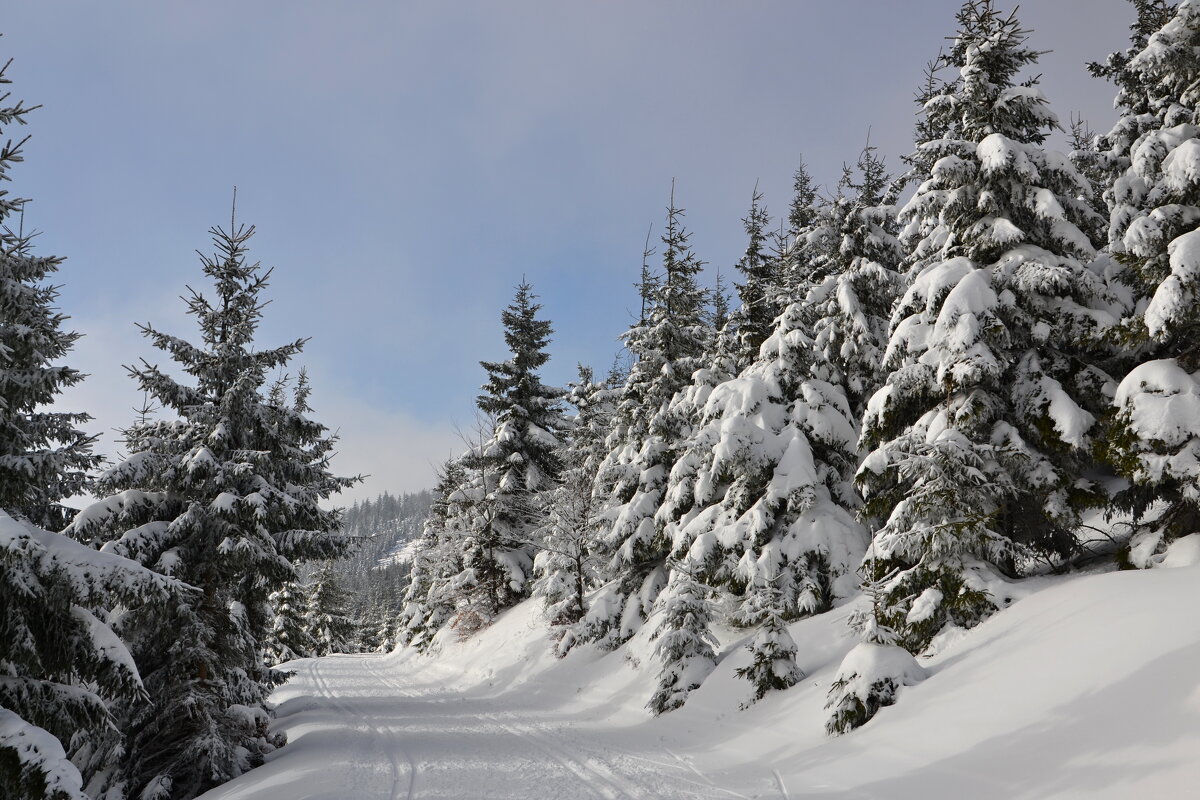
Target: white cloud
(397, 452)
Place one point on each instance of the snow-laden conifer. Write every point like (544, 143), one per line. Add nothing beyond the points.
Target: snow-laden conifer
(798, 241)
(327, 625)
(1152, 156)
(668, 345)
(383, 638)
(225, 494)
(481, 536)
(430, 601)
(978, 438)
(44, 457)
(871, 674)
(566, 562)
(760, 502)
(289, 637)
(760, 289)
(772, 650)
(511, 466)
(851, 306)
(60, 662)
(684, 644)
(762, 499)
(61, 665)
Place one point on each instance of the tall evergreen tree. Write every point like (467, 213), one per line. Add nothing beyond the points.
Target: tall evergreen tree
(430, 601)
(1152, 159)
(483, 529)
(566, 560)
(326, 621)
(60, 663)
(225, 496)
(759, 289)
(850, 307)
(668, 347)
(761, 502)
(979, 436)
(44, 457)
(516, 464)
(803, 220)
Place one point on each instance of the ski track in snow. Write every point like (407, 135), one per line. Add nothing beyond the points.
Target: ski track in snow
(359, 728)
(382, 735)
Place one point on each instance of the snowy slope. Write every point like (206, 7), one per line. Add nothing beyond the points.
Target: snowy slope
(1084, 688)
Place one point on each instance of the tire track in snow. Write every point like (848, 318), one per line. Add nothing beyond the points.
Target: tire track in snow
(403, 692)
(599, 778)
(609, 786)
(326, 692)
(607, 775)
(589, 777)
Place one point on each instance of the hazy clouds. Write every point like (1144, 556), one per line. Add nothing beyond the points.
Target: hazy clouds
(407, 163)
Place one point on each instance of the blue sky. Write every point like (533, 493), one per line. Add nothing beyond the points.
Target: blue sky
(407, 162)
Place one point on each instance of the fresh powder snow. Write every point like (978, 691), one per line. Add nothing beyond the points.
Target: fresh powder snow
(1083, 688)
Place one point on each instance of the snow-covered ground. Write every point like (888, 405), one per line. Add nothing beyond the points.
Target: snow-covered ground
(1087, 687)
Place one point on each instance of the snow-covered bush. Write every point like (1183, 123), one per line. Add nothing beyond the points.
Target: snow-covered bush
(869, 679)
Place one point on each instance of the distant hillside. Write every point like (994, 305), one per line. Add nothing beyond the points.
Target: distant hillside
(380, 529)
(384, 525)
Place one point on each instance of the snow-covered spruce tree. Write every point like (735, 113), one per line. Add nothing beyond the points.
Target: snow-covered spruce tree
(289, 638)
(326, 623)
(763, 496)
(980, 434)
(761, 502)
(723, 354)
(772, 650)
(871, 674)
(851, 306)
(794, 247)
(566, 562)
(1081, 141)
(224, 496)
(512, 467)
(668, 345)
(43, 456)
(1138, 95)
(429, 602)
(684, 645)
(1153, 158)
(383, 636)
(759, 291)
(61, 665)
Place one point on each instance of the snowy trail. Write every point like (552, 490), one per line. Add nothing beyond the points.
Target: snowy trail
(1084, 688)
(366, 727)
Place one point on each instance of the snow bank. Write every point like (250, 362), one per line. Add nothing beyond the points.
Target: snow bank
(1084, 687)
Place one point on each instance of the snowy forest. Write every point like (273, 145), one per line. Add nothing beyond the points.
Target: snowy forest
(926, 388)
